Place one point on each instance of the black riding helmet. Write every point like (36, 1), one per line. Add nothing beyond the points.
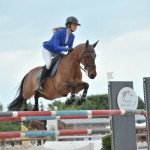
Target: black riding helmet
(72, 19)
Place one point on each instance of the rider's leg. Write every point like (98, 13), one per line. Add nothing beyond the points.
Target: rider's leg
(47, 55)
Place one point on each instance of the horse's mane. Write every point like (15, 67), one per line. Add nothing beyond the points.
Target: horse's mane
(80, 45)
(89, 49)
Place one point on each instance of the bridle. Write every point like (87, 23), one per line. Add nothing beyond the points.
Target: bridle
(88, 65)
(85, 61)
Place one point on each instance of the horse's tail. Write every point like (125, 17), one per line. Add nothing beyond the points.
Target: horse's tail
(17, 103)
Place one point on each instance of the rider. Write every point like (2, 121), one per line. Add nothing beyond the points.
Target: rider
(60, 43)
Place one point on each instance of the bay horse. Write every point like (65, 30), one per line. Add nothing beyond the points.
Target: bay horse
(38, 125)
(67, 79)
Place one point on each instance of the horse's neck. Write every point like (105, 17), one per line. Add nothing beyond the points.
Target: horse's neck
(77, 52)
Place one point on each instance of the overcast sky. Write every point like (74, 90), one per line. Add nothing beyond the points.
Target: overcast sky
(122, 27)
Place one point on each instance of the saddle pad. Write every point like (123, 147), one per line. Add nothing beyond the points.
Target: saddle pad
(53, 69)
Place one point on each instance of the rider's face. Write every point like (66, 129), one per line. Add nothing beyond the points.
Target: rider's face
(73, 26)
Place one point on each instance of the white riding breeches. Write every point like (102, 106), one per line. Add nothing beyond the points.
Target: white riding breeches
(47, 55)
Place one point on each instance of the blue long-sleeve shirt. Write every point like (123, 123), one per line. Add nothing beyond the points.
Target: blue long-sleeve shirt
(57, 43)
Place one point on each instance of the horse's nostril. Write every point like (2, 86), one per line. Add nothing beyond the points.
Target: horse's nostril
(92, 76)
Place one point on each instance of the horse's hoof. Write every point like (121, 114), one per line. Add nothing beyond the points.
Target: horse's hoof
(24, 108)
(72, 100)
(78, 102)
(68, 102)
(35, 109)
(83, 99)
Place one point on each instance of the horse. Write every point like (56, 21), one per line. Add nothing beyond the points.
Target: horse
(67, 79)
(38, 125)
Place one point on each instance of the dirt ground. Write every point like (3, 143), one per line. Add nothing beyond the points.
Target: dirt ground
(34, 147)
(24, 148)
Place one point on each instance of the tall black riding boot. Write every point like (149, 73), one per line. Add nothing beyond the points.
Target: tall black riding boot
(43, 74)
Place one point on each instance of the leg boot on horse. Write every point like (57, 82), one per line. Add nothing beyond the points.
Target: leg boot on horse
(42, 77)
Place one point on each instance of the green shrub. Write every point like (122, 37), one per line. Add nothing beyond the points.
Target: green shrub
(106, 142)
(10, 126)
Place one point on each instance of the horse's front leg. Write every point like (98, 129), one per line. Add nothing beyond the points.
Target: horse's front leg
(82, 86)
(72, 97)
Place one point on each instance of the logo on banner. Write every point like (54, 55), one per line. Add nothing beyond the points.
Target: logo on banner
(127, 99)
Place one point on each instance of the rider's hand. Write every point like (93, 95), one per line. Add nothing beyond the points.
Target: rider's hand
(64, 52)
(69, 50)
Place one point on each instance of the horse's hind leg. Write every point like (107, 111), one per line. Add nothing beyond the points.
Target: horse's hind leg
(72, 97)
(79, 87)
(36, 105)
(24, 106)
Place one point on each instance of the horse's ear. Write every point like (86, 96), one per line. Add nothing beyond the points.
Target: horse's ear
(94, 45)
(87, 43)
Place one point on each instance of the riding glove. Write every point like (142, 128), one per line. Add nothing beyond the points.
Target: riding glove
(64, 52)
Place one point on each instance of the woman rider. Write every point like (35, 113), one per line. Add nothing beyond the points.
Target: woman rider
(60, 43)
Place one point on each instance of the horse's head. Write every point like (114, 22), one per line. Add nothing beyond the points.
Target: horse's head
(88, 59)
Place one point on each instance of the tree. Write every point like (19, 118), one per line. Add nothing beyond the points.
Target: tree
(140, 103)
(92, 102)
(41, 106)
(1, 107)
(9, 126)
(96, 102)
(60, 106)
(30, 106)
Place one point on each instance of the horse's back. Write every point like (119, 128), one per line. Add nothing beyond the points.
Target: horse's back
(67, 72)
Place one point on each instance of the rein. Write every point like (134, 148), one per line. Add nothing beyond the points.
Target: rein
(80, 66)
